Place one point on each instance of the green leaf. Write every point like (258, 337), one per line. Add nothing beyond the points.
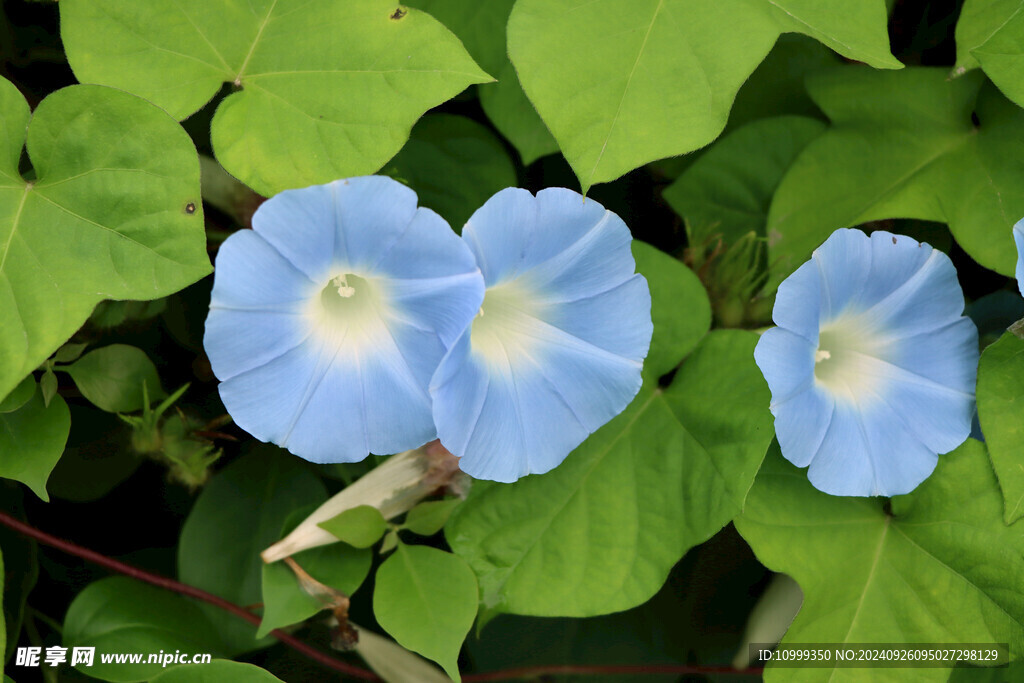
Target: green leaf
(727, 191)
(942, 568)
(623, 82)
(427, 518)
(776, 87)
(680, 309)
(979, 20)
(111, 378)
(390, 542)
(454, 164)
(96, 460)
(104, 218)
(110, 314)
(481, 26)
(360, 527)
(426, 599)
(19, 396)
(1001, 55)
(902, 145)
(32, 439)
(339, 103)
(337, 566)
(48, 385)
(1001, 413)
(601, 532)
(217, 671)
(69, 353)
(238, 514)
(118, 614)
(511, 112)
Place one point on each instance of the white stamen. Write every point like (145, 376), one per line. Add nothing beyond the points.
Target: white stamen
(341, 283)
(821, 355)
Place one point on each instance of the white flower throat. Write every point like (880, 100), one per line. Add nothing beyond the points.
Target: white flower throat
(350, 309)
(849, 356)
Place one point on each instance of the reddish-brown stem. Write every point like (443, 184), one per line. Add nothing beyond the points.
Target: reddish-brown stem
(325, 659)
(183, 589)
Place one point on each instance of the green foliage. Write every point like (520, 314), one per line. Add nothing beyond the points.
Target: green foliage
(360, 527)
(934, 570)
(726, 193)
(32, 439)
(19, 396)
(118, 614)
(776, 88)
(284, 126)
(426, 600)
(454, 164)
(978, 22)
(1001, 55)
(105, 216)
(482, 30)
(902, 145)
(427, 518)
(621, 82)
(680, 309)
(286, 601)
(217, 671)
(1000, 411)
(600, 533)
(112, 378)
(238, 514)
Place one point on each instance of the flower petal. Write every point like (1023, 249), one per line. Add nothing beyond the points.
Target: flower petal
(946, 356)
(798, 302)
(350, 222)
(844, 267)
(927, 300)
(866, 451)
(801, 422)
(597, 319)
(523, 416)
(497, 248)
(937, 415)
(256, 307)
(787, 362)
(331, 404)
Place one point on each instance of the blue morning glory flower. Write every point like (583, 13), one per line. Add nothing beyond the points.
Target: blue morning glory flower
(329, 317)
(872, 366)
(557, 347)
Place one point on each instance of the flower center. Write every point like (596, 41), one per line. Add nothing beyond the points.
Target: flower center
(847, 358)
(348, 304)
(341, 282)
(501, 330)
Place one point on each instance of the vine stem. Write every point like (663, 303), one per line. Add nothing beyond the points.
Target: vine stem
(183, 589)
(327, 660)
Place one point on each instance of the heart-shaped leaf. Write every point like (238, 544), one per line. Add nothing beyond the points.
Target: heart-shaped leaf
(114, 212)
(325, 90)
